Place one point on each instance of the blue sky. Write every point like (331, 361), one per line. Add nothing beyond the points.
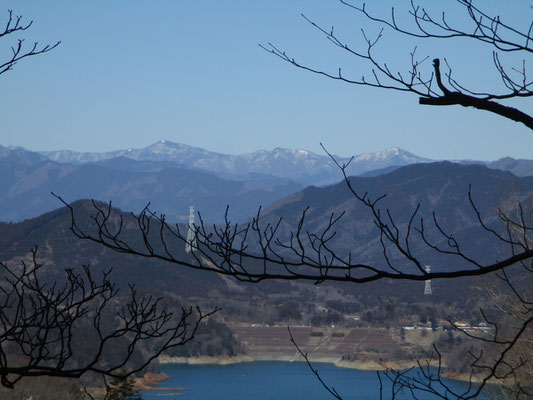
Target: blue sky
(129, 73)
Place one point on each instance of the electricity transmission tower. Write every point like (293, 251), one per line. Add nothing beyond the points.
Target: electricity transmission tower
(427, 286)
(191, 243)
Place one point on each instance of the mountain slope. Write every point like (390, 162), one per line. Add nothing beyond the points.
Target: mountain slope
(20, 156)
(59, 249)
(517, 167)
(438, 187)
(131, 185)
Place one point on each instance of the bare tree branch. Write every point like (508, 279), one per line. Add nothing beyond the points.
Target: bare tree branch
(430, 86)
(41, 325)
(19, 52)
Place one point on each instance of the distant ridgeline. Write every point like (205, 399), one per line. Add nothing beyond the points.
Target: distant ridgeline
(173, 176)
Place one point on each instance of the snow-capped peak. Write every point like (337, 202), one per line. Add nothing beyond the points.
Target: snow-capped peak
(297, 164)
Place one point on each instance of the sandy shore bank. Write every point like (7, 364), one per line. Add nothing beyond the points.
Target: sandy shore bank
(151, 379)
(377, 366)
(205, 360)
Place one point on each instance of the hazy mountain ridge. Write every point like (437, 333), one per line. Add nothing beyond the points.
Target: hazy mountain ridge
(519, 167)
(437, 186)
(294, 164)
(131, 185)
(172, 176)
(20, 156)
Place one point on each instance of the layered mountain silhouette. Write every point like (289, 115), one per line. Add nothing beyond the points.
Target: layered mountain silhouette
(441, 188)
(169, 176)
(173, 176)
(25, 190)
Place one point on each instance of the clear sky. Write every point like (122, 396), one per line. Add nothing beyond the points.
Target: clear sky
(129, 73)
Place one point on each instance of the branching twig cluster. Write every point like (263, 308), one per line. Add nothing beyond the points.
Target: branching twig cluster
(67, 329)
(430, 86)
(18, 52)
(503, 355)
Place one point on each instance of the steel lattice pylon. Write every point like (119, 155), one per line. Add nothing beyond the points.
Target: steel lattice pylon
(427, 286)
(191, 243)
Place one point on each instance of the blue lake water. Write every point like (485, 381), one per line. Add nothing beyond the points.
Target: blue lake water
(271, 380)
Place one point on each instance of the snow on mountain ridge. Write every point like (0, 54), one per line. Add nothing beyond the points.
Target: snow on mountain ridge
(296, 164)
(393, 152)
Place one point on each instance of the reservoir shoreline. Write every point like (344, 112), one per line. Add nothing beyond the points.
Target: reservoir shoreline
(226, 379)
(337, 361)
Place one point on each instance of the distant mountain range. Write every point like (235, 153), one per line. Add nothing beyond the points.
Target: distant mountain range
(297, 165)
(131, 185)
(172, 176)
(517, 167)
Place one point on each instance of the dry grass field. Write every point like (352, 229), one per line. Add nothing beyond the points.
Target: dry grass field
(328, 343)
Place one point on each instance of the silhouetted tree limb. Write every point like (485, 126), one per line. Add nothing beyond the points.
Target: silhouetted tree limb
(18, 52)
(66, 329)
(256, 251)
(331, 390)
(429, 85)
(457, 98)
